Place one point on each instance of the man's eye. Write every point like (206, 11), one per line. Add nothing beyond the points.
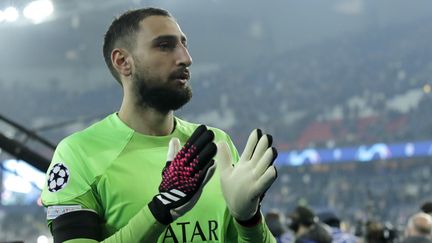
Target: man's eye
(164, 46)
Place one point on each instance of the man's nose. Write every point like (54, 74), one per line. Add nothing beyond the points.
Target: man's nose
(184, 58)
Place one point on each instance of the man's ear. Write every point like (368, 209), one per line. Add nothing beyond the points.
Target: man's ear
(122, 61)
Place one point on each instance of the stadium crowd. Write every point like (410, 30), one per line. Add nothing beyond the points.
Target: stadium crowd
(356, 90)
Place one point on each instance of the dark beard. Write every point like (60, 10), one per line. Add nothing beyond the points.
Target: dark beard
(162, 98)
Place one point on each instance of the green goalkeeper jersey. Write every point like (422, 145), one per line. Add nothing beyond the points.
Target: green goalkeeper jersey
(114, 171)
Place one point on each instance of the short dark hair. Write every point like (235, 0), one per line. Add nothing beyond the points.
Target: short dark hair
(329, 217)
(123, 30)
(303, 215)
(426, 207)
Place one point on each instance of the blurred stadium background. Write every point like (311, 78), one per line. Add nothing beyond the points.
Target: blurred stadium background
(343, 85)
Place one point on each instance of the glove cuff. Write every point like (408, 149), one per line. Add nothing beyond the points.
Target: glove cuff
(160, 212)
(256, 219)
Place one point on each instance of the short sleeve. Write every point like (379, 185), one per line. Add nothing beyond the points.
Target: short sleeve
(68, 181)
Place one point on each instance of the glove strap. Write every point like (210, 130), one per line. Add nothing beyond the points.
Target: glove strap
(160, 211)
(256, 219)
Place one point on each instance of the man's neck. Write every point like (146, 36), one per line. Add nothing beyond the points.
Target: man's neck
(146, 120)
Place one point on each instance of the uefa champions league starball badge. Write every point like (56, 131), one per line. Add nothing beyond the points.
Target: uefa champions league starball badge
(58, 177)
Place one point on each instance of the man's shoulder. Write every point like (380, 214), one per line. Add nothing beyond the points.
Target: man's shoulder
(103, 130)
(83, 156)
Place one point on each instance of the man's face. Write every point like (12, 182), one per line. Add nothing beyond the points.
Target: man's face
(161, 60)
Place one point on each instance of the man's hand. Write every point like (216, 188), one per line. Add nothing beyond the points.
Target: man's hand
(244, 184)
(186, 172)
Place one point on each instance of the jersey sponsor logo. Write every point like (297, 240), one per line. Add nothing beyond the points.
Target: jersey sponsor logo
(58, 177)
(55, 211)
(192, 232)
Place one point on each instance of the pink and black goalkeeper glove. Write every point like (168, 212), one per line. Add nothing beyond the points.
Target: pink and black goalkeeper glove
(184, 175)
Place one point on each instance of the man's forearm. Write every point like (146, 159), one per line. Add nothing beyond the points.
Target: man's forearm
(143, 227)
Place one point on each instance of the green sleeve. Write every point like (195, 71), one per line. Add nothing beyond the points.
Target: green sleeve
(258, 233)
(234, 232)
(143, 227)
(79, 191)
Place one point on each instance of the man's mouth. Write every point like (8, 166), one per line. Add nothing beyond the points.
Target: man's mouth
(182, 81)
(182, 77)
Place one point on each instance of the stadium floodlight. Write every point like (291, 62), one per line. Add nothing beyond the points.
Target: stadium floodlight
(15, 183)
(21, 177)
(427, 88)
(10, 14)
(38, 10)
(42, 239)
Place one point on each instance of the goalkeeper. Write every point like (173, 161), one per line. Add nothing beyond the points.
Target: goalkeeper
(145, 175)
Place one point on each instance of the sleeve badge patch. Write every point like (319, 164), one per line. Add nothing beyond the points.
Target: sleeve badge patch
(58, 177)
(55, 211)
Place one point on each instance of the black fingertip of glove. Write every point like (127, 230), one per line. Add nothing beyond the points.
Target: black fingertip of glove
(269, 140)
(259, 134)
(196, 134)
(275, 154)
(206, 155)
(211, 134)
(205, 138)
(201, 128)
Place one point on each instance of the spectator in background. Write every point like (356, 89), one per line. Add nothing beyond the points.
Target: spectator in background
(276, 223)
(329, 218)
(306, 227)
(427, 207)
(418, 229)
(377, 232)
